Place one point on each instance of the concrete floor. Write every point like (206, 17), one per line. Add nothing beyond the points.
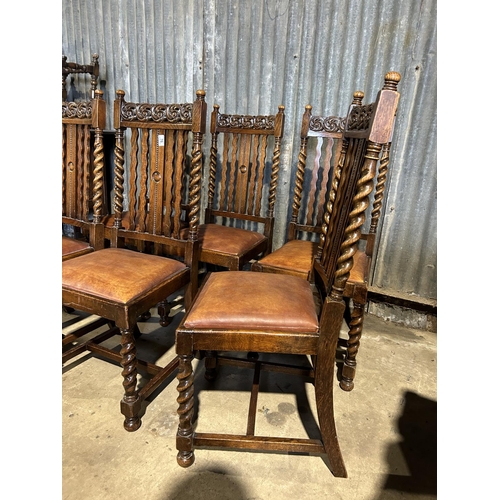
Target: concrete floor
(386, 428)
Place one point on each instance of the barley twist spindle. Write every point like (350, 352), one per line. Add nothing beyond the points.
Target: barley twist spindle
(273, 186)
(119, 173)
(356, 219)
(299, 181)
(97, 194)
(195, 186)
(379, 188)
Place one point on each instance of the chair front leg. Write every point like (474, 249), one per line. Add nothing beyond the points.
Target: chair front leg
(355, 330)
(185, 387)
(131, 403)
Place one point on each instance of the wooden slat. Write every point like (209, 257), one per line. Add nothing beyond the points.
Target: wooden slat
(80, 165)
(178, 183)
(327, 162)
(242, 173)
(223, 183)
(260, 177)
(70, 171)
(252, 190)
(133, 178)
(314, 182)
(159, 378)
(232, 172)
(142, 208)
(239, 442)
(157, 162)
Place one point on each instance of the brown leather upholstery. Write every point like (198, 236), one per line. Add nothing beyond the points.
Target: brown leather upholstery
(359, 267)
(295, 254)
(134, 273)
(74, 248)
(258, 301)
(228, 240)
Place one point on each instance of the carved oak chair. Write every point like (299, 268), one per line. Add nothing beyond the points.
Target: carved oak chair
(72, 68)
(120, 282)
(315, 175)
(271, 313)
(82, 151)
(243, 179)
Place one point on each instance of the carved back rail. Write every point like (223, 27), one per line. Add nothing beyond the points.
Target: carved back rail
(368, 128)
(164, 163)
(71, 68)
(82, 160)
(247, 150)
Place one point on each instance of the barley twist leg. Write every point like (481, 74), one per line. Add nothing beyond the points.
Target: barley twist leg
(185, 387)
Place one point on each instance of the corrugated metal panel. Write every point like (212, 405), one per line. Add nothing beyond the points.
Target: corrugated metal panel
(251, 56)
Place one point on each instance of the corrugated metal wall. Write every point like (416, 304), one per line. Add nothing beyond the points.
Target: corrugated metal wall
(252, 55)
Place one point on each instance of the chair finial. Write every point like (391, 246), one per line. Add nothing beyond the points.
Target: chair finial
(391, 80)
(358, 97)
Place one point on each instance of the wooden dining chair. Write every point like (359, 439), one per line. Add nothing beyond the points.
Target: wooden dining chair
(73, 68)
(315, 175)
(244, 166)
(132, 273)
(278, 313)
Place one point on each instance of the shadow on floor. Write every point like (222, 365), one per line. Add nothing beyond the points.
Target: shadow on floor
(213, 484)
(418, 429)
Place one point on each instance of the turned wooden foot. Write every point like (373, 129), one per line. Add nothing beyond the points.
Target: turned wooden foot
(144, 316)
(164, 311)
(355, 330)
(131, 403)
(185, 434)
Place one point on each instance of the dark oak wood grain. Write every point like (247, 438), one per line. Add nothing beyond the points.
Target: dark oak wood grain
(140, 256)
(278, 313)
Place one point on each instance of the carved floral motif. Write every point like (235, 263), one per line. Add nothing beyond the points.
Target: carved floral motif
(246, 121)
(145, 112)
(359, 117)
(81, 109)
(327, 124)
